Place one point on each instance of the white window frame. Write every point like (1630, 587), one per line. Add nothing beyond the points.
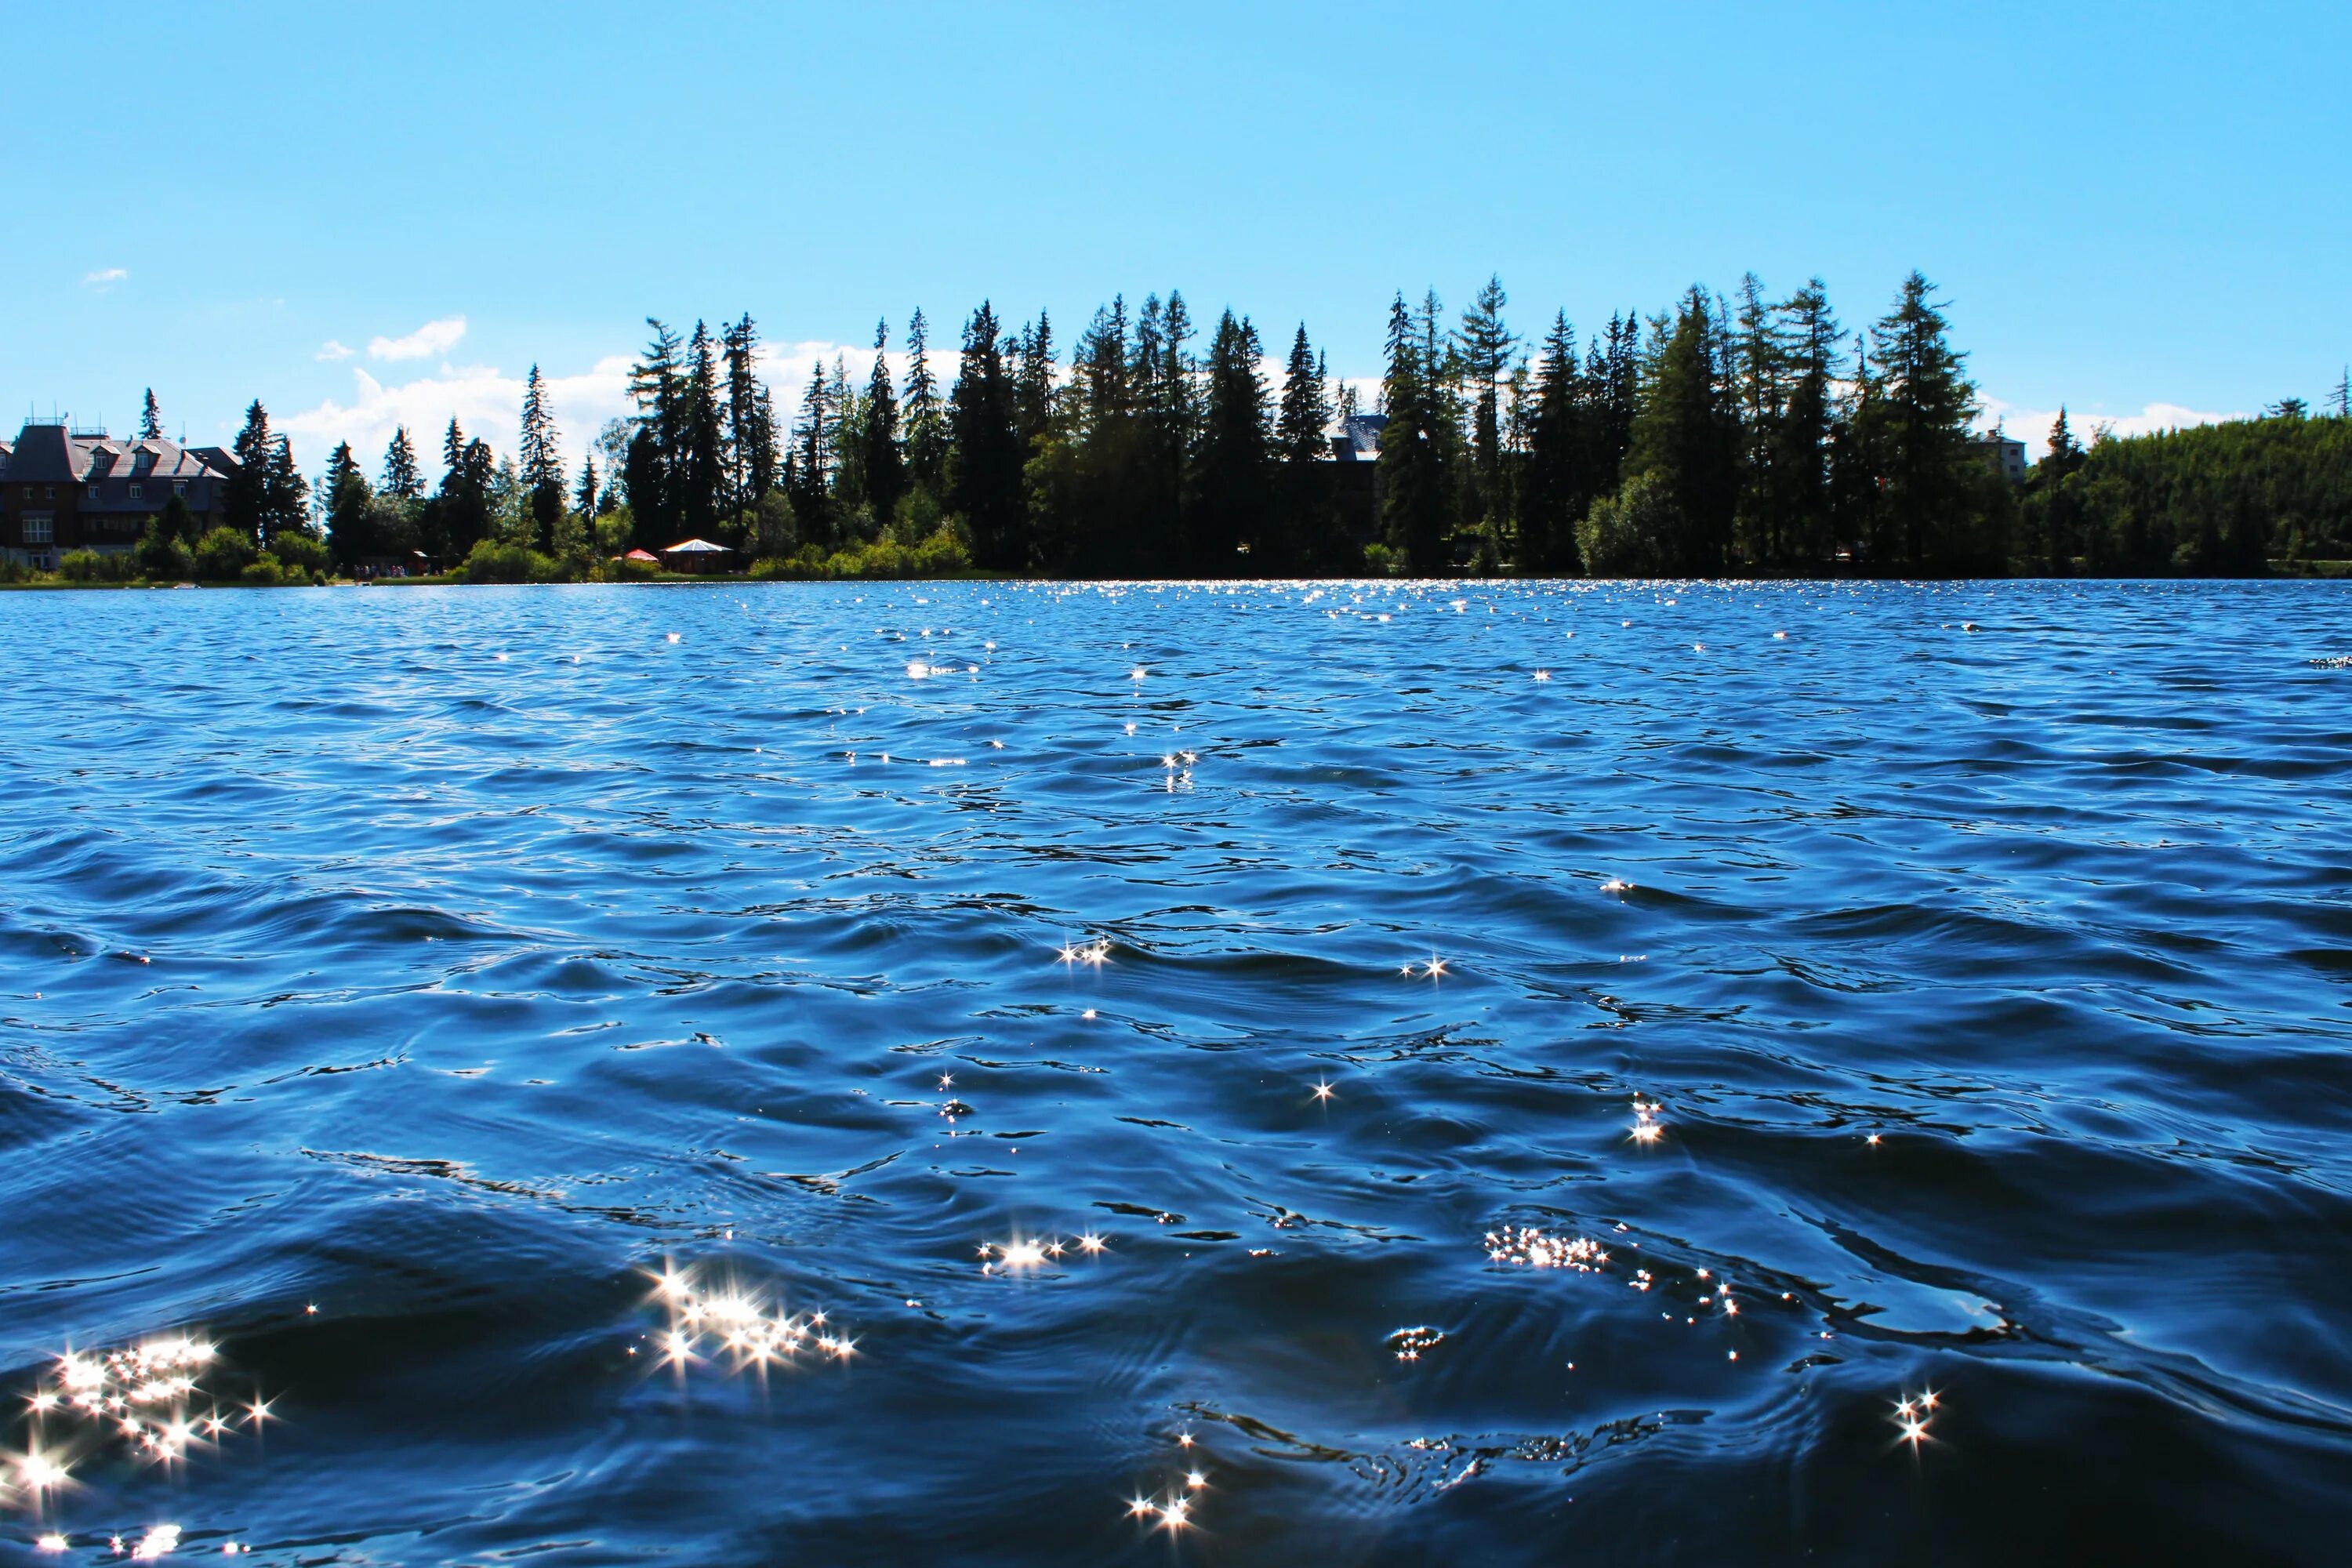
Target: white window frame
(40, 528)
(135, 490)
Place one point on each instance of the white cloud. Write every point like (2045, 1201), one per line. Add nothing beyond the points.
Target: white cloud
(2032, 425)
(332, 349)
(431, 338)
(103, 280)
(484, 403)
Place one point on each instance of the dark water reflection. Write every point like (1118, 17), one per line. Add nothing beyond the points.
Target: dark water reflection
(454, 961)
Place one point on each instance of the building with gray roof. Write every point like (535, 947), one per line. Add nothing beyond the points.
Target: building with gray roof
(64, 488)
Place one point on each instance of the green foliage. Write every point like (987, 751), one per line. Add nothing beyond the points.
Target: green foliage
(163, 556)
(1380, 561)
(222, 553)
(263, 570)
(940, 556)
(491, 561)
(90, 566)
(1640, 532)
(2224, 499)
(176, 520)
(302, 551)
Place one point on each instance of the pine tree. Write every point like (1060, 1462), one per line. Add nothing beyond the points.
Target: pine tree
(1685, 435)
(1304, 534)
(2342, 396)
(747, 435)
(1556, 491)
(653, 471)
(245, 498)
(1415, 505)
(350, 507)
(1797, 445)
(541, 460)
(926, 417)
(703, 463)
(583, 497)
(285, 507)
(984, 462)
(400, 479)
(151, 418)
(1229, 489)
(814, 457)
(1934, 480)
(886, 477)
(1484, 345)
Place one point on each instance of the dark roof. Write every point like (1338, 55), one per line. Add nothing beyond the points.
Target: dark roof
(50, 454)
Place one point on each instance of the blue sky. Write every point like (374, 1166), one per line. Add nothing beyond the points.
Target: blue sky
(2127, 207)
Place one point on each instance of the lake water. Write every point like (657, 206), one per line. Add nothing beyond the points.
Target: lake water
(1340, 1074)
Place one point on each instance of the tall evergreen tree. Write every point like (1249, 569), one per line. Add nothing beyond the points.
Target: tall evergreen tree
(815, 456)
(1304, 534)
(400, 479)
(703, 461)
(1933, 477)
(984, 465)
(541, 463)
(151, 418)
(748, 437)
(1485, 344)
(1415, 505)
(885, 466)
(1229, 483)
(245, 498)
(654, 469)
(1797, 445)
(1686, 436)
(350, 505)
(584, 496)
(1557, 488)
(926, 415)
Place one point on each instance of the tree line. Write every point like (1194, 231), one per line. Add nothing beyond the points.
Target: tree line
(1747, 433)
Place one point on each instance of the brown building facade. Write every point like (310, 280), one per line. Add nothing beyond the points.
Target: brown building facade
(65, 488)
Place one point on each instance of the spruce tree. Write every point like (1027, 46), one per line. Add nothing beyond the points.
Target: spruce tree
(1797, 445)
(1933, 478)
(541, 461)
(245, 499)
(151, 418)
(1415, 507)
(884, 464)
(702, 476)
(1555, 492)
(813, 458)
(285, 507)
(1685, 435)
(583, 497)
(654, 470)
(984, 450)
(1229, 475)
(1485, 344)
(400, 479)
(926, 415)
(350, 506)
(747, 437)
(1304, 533)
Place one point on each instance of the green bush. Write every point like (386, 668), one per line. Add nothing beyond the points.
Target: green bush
(162, 557)
(222, 553)
(1630, 534)
(90, 566)
(1379, 561)
(263, 572)
(942, 555)
(299, 552)
(621, 569)
(491, 561)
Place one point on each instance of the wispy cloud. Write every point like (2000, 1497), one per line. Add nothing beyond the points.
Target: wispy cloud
(431, 338)
(2032, 425)
(107, 278)
(332, 349)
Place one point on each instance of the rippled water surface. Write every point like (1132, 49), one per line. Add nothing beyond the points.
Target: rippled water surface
(1333, 1073)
